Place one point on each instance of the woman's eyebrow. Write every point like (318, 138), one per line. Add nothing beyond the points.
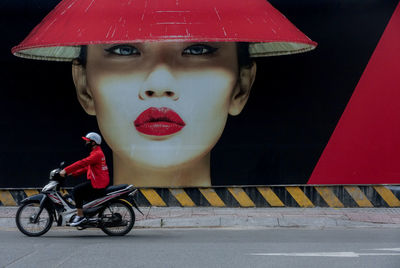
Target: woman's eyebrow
(118, 44)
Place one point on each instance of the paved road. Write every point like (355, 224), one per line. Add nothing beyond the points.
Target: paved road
(189, 217)
(219, 247)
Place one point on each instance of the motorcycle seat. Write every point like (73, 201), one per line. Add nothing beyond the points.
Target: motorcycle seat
(114, 188)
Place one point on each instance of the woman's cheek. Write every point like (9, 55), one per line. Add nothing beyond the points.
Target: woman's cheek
(114, 104)
(207, 102)
(213, 92)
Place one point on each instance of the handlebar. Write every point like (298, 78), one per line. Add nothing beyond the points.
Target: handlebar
(55, 175)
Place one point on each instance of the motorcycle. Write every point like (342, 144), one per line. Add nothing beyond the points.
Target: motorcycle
(113, 213)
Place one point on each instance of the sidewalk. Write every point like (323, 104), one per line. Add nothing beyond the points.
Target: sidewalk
(314, 218)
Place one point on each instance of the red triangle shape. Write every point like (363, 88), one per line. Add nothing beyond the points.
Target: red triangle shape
(365, 146)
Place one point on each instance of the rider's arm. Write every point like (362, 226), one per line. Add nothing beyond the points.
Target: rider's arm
(81, 171)
(81, 166)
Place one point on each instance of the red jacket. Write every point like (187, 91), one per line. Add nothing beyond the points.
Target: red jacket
(95, 166)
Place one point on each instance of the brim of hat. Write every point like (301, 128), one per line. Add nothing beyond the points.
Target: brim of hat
(86, 139)
(69, 53)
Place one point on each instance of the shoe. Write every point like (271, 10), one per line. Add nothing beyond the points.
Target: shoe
(78, 221)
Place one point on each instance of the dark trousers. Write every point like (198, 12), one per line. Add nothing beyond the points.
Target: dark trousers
(86, 192)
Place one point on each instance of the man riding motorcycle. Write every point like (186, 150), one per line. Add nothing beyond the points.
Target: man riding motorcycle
(97, 174)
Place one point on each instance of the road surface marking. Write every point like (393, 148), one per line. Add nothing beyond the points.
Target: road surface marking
(388, 249)
(325, 254)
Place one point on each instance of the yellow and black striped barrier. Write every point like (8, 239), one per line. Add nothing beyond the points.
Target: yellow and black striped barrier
(256, 196)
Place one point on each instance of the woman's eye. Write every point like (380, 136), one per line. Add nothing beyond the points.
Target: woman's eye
(123, 50)
(199, 50)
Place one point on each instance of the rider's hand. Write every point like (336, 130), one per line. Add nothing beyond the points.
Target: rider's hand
(63, 173)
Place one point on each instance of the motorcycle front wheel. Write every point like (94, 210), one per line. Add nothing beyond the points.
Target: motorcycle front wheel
(25, 219)
(117, 218)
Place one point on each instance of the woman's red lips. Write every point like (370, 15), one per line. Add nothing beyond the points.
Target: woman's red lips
(159, 122)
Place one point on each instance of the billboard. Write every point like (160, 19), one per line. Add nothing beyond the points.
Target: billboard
(183, 99)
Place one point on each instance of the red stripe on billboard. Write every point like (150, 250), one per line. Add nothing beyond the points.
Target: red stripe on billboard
(365, 146)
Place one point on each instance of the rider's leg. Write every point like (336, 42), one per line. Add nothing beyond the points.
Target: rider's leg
(79, 212)
(80, 193)
(85, 191)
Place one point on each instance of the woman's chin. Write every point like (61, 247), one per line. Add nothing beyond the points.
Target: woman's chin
(161, 161)
(162, 164)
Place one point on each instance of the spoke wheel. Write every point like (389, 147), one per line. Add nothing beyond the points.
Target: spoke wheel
(117, 218)
(25, 216)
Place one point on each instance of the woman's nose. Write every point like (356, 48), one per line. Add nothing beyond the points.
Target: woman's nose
(159, 83)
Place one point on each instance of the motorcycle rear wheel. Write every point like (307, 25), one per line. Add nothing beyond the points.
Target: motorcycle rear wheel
(25, 215)
(117, 218)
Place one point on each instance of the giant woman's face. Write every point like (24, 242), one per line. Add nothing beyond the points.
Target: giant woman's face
(162, 105)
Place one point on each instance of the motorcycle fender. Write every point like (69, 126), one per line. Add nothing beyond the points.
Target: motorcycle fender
(132, 203)
(126, 201)
(40, 198)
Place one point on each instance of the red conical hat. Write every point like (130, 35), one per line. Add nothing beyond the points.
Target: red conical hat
(81, 22)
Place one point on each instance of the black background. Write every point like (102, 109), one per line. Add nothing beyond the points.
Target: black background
(293, 109)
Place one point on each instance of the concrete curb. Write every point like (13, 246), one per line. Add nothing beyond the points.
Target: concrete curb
(314, 218)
